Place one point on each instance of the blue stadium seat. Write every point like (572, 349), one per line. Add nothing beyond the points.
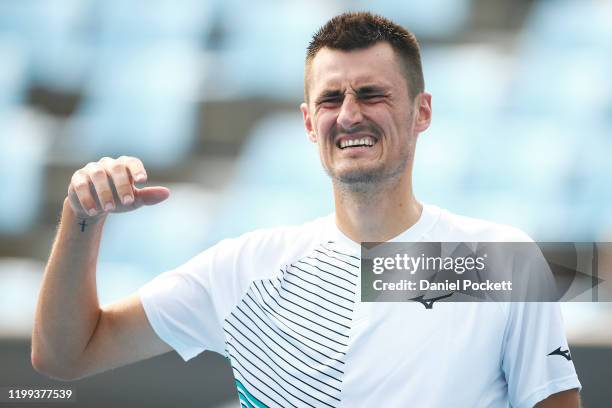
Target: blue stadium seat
(20, 280)
(160, 237)
(13, 72)
(279, 180)
(442, 160)
(52, 34)
(141, 102)
(24, 144)
(264, 46)
(563, 61)
(433, 19)
(562, 84)
(466, 79)
(18, 18)
(150, 21)
(569, 24)
(589, 192)
(278, 153)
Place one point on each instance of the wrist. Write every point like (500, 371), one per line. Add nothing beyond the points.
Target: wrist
(69, 212)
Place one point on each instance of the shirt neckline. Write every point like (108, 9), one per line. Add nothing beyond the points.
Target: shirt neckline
(429, 216)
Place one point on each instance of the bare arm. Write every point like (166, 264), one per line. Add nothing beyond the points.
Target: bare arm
(73, 336)
(563, 399)
(123, 336)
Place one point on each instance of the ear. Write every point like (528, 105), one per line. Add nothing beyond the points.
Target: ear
(308, 123)
(423, 116)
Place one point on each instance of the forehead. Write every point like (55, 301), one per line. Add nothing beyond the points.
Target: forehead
(375, 65)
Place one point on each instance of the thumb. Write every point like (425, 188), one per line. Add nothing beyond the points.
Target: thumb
(150, 195)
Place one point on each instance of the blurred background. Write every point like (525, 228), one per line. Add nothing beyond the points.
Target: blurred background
(206, 93)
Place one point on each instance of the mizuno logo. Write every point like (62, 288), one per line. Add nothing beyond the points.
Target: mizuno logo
(559, 352)
(428, 303)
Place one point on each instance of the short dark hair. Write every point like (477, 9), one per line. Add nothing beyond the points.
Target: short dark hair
(358, 30)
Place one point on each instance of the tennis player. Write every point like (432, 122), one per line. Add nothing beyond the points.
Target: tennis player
(283, 304)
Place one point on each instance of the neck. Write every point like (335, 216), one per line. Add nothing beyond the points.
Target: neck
(377, 213)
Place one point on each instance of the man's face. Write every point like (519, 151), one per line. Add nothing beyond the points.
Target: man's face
(361, 115)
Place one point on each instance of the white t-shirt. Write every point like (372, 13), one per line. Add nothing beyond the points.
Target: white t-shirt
(283, 305)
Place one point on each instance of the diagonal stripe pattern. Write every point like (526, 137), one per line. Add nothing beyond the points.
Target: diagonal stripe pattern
(287, 338)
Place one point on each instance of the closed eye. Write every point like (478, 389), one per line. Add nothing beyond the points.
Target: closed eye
(372, 97)
(330, 100)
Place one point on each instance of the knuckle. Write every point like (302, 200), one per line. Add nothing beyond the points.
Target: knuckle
(136, 161)
(90, 167)
(117, 168)
(78, 175)
(97, 172)
(81, 185)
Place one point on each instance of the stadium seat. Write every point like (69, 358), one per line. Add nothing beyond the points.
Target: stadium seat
(142, 102)
(168, 233)
(278, 180)
(585, 25)
(438, 19)
(20, 280)
(466, 80)
(24, 145)
(263, 48)
(146, 22)
(13, 72)
(52, 34)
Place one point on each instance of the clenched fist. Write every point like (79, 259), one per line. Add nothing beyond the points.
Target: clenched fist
(108, 186)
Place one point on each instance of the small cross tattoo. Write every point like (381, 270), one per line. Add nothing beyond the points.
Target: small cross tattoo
(82, 224)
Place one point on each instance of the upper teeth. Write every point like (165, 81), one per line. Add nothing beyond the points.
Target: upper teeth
(367, 141)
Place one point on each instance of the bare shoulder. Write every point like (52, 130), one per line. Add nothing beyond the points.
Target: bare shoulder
(122, 336)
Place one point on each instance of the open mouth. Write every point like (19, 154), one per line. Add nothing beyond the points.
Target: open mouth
(366, 141)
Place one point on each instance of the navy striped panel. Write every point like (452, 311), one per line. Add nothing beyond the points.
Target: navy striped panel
(287, 339)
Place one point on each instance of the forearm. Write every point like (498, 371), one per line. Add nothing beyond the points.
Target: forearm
(68, 307)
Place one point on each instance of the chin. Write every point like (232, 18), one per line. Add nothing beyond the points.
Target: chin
(361, 179)
(359, 176)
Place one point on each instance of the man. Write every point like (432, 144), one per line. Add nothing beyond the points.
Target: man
(283, 304)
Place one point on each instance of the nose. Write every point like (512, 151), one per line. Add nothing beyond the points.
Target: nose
(350, 112)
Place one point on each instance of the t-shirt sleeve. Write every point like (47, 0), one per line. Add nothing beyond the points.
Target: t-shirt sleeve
(536, 359)
(185, 305)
